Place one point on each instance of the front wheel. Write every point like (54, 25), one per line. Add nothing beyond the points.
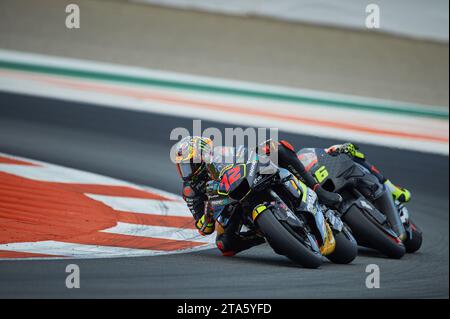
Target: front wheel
(281, 240)
(346, 249)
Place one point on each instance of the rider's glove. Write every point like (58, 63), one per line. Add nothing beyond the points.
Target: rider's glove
(351, 149)
(328, 198)
(347, 148)
(205, 224)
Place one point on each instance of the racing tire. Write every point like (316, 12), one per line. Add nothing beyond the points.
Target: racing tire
(346, 250)
(282, 241)
(370, 235)
(413, 244)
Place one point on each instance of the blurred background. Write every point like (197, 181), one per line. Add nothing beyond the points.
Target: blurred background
(320, 45)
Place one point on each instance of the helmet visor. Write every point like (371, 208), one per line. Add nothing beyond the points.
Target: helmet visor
(187, 170)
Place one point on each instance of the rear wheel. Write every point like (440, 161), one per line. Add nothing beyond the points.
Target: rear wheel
(283, 242)
(370, 235)
(414, 243)
(346, 250)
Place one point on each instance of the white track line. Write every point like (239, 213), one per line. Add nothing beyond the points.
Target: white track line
(144, 206)
(159, 232)
(57, 248)
(223, 116)
(54, 173)
(392, 124)
(134, 71)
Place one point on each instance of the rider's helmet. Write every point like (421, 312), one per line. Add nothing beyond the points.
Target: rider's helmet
(193, 154)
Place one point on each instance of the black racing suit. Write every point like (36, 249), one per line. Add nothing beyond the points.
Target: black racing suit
(359, 157)
(231, 240)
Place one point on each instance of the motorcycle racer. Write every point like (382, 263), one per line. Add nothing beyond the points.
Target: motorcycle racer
(401, 194)
(194, 156)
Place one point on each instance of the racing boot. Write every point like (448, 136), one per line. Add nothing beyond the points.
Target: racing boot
(230, 243)
(401, 194)
(243, 243)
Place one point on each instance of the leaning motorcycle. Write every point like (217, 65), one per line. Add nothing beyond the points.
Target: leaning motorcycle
(275, 204)
(375, 219)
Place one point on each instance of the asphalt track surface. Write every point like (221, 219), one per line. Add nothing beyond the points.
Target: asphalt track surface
(134, 146)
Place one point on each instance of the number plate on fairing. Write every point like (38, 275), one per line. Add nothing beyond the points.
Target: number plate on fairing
(230, 178)
(325, 167)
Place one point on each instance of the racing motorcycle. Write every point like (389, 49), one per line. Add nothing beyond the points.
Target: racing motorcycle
(375, 219)
(273, 202)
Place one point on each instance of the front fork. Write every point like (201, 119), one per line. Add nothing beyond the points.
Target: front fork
(285, 214)
(337, 225)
